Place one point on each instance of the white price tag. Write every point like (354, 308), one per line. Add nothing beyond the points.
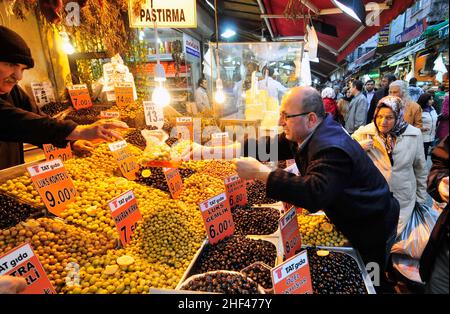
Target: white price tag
(154, 114)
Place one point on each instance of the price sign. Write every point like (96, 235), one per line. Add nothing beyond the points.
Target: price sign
(154, 114)
(51, 152)
(53, 185)
(290, 233)
(174, 181)
(124, 93)
(217, 218)
(22, 262)
(219, 139)
(126, 215)
(185, 128)
(127, 162)
(43, 93)
(286, 206)
(236, 190)
(79, 95)
(109, 114)
(293, 276)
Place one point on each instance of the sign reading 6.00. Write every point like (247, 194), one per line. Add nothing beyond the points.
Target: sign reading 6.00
(53, 185)
(217, 218)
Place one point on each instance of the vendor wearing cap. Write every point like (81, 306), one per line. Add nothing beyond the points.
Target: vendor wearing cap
(22, 121)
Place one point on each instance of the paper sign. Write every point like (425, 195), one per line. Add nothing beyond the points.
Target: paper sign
(127, 162)
(53, 185)
(217, 218)
(22, 262)
(126, 215)
(236, 190)
(219, 139)
(174, 181)
(109, 114)
(290, 233)
(286, 206)
(154, 114)
(293, 276)
(43, 93)
(185, 128)
(51, 152)
(124, 93)
(79, 95)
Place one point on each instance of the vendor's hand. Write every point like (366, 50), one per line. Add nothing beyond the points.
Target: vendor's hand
(249, 168)
(102, 129)
(366, 144)
(443, 189)
(12, 285)
(82, 146)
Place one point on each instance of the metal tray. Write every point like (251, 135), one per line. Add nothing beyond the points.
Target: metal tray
(362, 268)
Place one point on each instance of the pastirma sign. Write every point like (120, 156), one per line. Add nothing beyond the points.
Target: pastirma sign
(165, 13)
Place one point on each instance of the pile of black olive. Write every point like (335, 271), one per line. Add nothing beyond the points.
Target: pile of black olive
(259, 274)
(221, 282)
(156, 180)
(185, 173)
(256, 194)
(255, 221)
(336, 273)
(136, 138)
(234, 253)
(12, 211)
(84, 116)
(54, 108)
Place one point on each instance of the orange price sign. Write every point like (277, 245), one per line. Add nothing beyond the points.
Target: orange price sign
(293, 276)
(51, 152)
(126, 215)
(124, 94)
(290, 233)
(174, 181)
(22, 262)
(217, 218)
(79, 95)
(109, 114)
(53, 185)
(185, 128)
(127, 162)
(236, 190)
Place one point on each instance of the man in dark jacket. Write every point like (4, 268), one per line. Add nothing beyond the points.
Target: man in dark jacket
(382, 92)
(336, 176)
(434, 267)
(21, 121)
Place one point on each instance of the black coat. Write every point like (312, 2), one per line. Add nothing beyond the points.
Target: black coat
(338, 177)
(382, 92)
(23, 122)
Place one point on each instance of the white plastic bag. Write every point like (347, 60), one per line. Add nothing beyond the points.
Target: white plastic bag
(415, 236)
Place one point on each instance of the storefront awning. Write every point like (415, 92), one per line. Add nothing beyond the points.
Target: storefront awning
(350, 34)
(439, 30)
(407, 52)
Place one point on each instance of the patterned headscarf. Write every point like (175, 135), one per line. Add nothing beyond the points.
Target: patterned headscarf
(397, 106)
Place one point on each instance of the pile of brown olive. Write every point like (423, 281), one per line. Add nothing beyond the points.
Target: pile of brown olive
(255, 221)
(259, 274)
(222, 282)
(256, 194)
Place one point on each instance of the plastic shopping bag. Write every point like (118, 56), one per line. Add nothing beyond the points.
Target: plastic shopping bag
(415, 236)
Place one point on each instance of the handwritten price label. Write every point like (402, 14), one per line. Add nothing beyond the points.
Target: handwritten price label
(217, 217)
(126, 215)
(293, 276)
(125, 159)
(290, 233)
(53, 185)
(51, 152)
(236, 190)
(154, 114)
(124, 94)
(109, 114)
(22, 262)
(219, 139)
(174, 181)
(79, 95)
(185, 128)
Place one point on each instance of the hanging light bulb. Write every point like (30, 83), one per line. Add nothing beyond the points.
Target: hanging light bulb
(220, 95)
(160, 95)
(66, 46)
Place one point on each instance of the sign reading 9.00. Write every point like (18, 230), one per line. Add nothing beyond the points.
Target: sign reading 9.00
(53, 185)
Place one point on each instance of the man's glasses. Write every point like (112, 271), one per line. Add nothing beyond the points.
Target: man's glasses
(285, 116)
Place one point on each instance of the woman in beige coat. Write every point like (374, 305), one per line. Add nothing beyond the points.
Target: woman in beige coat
(396, 148)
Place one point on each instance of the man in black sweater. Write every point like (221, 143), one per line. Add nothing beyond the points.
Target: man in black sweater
(23, 122)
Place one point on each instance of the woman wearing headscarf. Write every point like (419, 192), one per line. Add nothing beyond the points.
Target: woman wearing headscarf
(396, 148)
(328, 96)
(429, 120)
